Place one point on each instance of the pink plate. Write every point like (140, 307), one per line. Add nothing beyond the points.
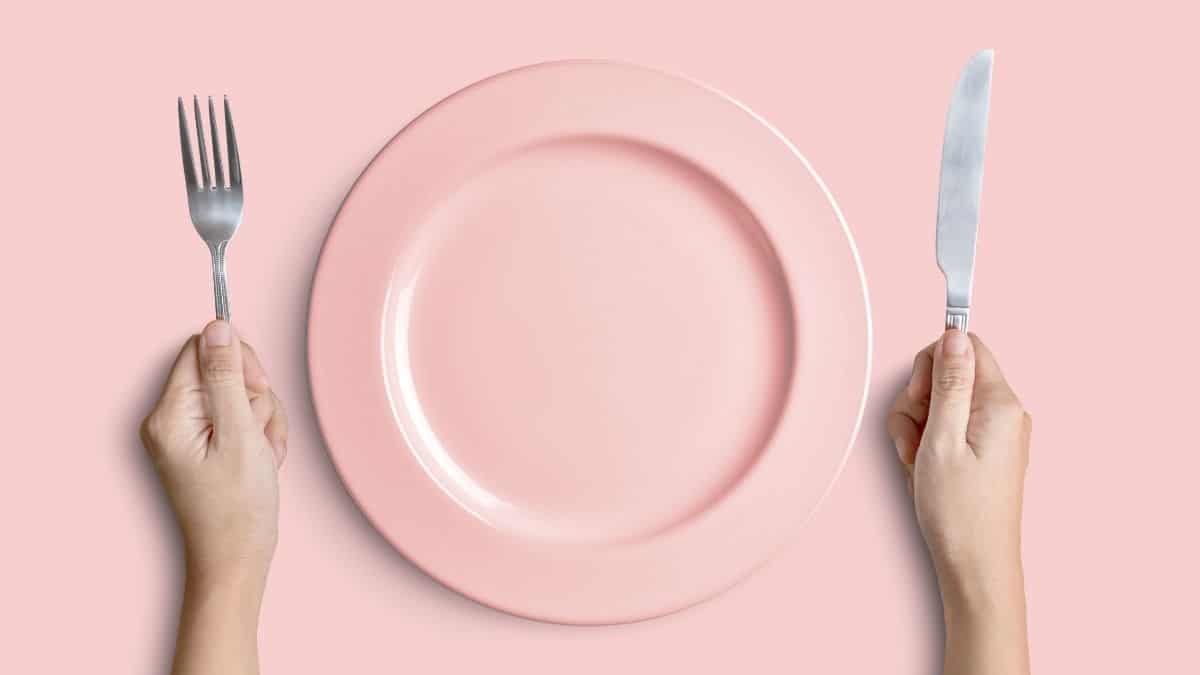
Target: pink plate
(589, 342)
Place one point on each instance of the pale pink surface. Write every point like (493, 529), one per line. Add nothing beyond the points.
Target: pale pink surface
(557, 352)
(1093, 140)
(602, 328)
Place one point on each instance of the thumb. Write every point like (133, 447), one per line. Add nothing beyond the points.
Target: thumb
(950, 398)
(221, 375)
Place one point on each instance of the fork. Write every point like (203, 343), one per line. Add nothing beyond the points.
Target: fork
(215, 208)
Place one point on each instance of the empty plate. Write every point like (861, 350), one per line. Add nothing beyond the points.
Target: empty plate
(588, 342)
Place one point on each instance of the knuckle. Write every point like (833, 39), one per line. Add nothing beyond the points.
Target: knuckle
(151, 430)
(953, 380)
(220, 369)
(144, 429)
(918, 362)
(259, 400)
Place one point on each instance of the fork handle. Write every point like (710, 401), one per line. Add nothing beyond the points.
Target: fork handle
(220, 287)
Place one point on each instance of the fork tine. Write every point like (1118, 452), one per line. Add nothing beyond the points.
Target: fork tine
(185, 146)
(235, 163)
(200, 142)
(218, 170)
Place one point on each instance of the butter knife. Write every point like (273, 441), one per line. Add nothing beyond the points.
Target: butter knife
(961, 184)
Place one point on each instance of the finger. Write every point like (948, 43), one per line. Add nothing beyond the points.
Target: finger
(990, 384)
(258, 387)
(221, 374)
(913, 400)
(277, 430)
(186, 370)
(905, 435)
(950, 394)
(253, 371)
(911, 408)
(263, 406)
(920, 383)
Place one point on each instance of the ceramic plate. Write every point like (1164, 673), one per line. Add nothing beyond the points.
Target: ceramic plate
(589, 342)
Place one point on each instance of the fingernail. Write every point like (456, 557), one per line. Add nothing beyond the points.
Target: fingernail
(218, 334)
(955, 342)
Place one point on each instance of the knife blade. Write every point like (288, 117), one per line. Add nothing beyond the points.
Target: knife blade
(961, 184)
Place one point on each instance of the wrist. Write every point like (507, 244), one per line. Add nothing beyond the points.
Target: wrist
(982, 593)
(218, 622)
(237, 603)
(241, 581)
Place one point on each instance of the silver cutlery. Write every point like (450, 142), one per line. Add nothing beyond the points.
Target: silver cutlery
(215, 207)
(961, 184)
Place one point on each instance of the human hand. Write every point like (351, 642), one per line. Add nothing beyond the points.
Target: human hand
(963, 438)
(217, 436)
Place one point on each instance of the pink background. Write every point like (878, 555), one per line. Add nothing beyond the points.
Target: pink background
(1085, 289)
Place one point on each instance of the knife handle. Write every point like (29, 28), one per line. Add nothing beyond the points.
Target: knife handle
(956, 317)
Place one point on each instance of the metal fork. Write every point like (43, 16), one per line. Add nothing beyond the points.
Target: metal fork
(215, 208)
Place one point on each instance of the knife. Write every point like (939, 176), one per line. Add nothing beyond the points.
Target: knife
(961, 184)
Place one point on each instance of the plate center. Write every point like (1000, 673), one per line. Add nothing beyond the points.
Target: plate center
(595, 344)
